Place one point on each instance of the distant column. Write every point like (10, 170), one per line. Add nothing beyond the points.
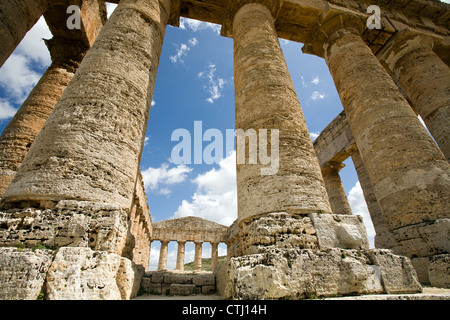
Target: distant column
(335, 188)
(198, 256)
(426, 80)
(17, 17)
(214, 255)
(162, 264)
(22, 130)
(180, 255)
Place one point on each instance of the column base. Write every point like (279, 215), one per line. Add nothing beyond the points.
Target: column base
(99, 226)
(308, 274)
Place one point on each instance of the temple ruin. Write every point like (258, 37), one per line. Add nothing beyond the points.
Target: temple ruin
(74, 218)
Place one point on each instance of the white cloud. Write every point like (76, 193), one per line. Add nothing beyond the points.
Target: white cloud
(216, 196)
(153, 103)
(18, 74)
(154, 178)
(183, 50)
(146, 140)
(304, 84)
(316, 80)
(314, 135)
(318, 96)
(6, 110)
(196, 25)
(215, 84)
(359, 207)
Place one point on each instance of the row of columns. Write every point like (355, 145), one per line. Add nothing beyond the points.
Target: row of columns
(162, 263)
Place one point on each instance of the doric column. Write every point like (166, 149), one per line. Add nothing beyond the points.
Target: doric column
(425, 78)
(409, 174)
(162, 264)
(20, 133)
(90, 147)
(214, 255)
(335, 188)
(180, 255)
(17, 17)
(383, 237)
(198, 256)
(266, 99)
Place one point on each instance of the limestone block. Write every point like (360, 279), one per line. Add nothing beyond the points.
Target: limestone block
(340, 231)
(129, 278)
(100, 226)
(178, 278)
(439, 271)
(397, 272)
(204, 279)
(83, 274)
(297, 274)
(22, 272)
(183, 289)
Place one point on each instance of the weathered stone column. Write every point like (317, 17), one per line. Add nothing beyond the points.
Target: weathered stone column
(335, 188)
(214, 255)
(17, 17)
(162, 263)
(90, 147)
(266, 99)
(20, 133)
(409, 174)
(180, 255)
(383, 237)
(425, 78)
(198, 256)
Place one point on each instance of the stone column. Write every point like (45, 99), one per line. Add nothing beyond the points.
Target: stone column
(214, 255)
(198, 256)
(409, 174)
(335, 188)
(180, 255)
(17, 17)
(266, 99)
(22, 130)
(425, 78)
(162, 264)
(90, 147)
(383, 237)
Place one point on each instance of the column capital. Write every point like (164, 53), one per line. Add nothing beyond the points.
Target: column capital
(233, 6)
(333, 22)
(404, 42)
(332, 166)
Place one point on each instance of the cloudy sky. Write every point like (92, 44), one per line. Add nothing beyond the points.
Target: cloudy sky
(194, 83)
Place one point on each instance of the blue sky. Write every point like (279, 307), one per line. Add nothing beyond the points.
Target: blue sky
(194, 83)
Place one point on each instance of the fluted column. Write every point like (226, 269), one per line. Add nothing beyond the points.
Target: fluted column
(409, 174)
(162, 263)
(335, 188)
(180, 255)
(90, 147)
(214, 255)
(198, 256)
(266, 99)
(22, 130)
(425, 78)
(17, 17)
(383, 238)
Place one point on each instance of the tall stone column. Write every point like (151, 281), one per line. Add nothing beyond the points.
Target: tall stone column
(162, 263)
(335, 188)
(180, 255)
(17, 17)
(214, 255)
(266, 99)
(198, 256)
(383, 237)
(22, 130)
(409, 174)
(425, 78)
(90, 147)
